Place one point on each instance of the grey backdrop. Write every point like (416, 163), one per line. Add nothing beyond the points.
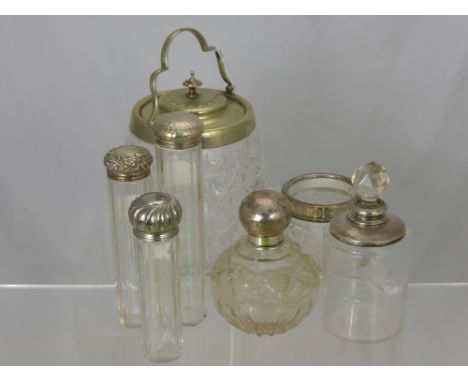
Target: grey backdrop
(328, 92)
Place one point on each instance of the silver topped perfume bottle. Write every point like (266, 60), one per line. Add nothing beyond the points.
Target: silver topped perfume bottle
(155, 218)
(365, 269)
(178, 158)
(314, 200)
(128, 173)
(264, 284)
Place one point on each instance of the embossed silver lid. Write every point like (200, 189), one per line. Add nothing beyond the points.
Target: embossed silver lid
(155, 216)
(128, 163)
(265, 215)
(368, 224)
(177, 130)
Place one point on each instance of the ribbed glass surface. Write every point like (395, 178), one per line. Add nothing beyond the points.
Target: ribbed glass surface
(160, 299)
(364, 289)
(180, 174)
(121, 194)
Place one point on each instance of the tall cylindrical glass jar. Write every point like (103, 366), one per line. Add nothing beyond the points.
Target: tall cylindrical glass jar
(314, 199)
(231, 153)
(128, 173)
(366, 267)
(155, 217)
(178, 153)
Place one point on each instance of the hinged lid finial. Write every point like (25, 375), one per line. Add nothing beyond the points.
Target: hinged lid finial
(128, 163)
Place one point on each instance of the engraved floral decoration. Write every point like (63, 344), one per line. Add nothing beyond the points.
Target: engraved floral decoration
(128, 162)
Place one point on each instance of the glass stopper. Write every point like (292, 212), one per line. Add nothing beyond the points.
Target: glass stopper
(370, 180)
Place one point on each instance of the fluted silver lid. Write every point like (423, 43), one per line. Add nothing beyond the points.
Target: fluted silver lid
(265, 215)
(178, 130)
(155, 216)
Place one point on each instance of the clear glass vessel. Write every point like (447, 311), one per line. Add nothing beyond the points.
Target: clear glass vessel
(155, 218)
(179, 168)
(366, 265)
(231, 154)
(128, 173)
(314, 199)
(364, 289)
(230, 173)
(264, 284)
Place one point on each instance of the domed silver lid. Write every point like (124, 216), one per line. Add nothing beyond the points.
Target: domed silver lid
(265, 215)
(155, 216)
(368, 224)
(128, 163)
(177, 130)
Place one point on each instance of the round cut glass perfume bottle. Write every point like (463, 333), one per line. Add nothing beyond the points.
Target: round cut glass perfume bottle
(365, 268)
(314, 200)
(155, 217)
(128, 174)
(231, 155)
(264, 284)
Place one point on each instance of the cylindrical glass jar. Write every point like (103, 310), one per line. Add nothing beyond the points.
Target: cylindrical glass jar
(231, 155)
(179, 168)
(365, 268)
(155, 218)
(128, 174)
(314, 199)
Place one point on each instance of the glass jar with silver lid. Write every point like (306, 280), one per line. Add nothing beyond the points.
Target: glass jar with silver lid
(231, 155)
(365, 264)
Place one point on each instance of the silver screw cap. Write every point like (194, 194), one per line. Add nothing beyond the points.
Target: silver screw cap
(155, 216)
(177, 130)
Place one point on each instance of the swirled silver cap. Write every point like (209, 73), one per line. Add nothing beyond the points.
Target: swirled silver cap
(128, 163)
(155, 216)
(177, 130)
(265, 215)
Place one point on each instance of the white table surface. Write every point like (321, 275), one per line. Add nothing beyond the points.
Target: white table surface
(77, 325)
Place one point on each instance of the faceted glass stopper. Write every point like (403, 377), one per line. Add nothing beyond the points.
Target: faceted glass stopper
(370, 180)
